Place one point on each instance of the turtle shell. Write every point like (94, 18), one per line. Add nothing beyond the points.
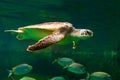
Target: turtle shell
(38, 31)
(52, 26)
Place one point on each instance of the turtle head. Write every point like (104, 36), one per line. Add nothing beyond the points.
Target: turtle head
(86, 32)
(82, 33)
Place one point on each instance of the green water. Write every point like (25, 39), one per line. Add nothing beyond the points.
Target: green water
(100, 53)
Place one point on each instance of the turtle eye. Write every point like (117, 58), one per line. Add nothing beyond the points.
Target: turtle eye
(82, 33)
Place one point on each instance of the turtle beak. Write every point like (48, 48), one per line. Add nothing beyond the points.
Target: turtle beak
(89, 32)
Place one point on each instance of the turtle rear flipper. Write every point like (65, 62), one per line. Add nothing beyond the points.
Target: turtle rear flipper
(20, 32)
(14, 31)
(48, 40)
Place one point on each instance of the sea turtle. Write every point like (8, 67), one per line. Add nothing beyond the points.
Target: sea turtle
(49, 33)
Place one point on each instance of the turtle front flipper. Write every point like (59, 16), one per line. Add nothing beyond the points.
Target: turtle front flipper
(74, 45)
(48, 40)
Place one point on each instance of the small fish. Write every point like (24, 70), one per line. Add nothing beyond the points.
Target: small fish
(27, 78)
(100, 76)
(57, 78)
(20, 69)
(76, 68)
(64, 62)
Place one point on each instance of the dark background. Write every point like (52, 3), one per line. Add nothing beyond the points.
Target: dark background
(100, 53)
